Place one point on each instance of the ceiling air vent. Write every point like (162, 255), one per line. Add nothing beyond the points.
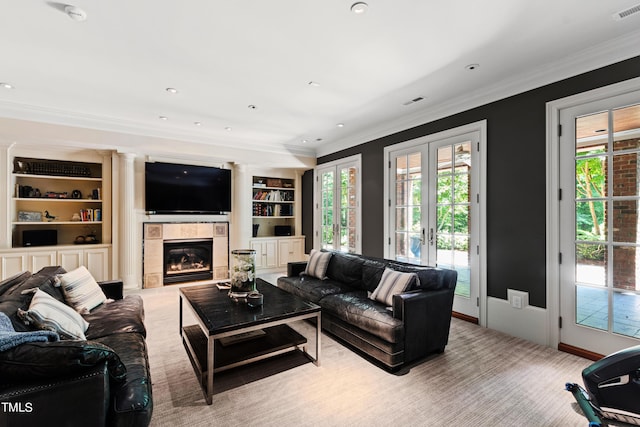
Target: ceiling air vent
(413, 100)
(619, 16)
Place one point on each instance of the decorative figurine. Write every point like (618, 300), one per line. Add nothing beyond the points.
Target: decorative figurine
(49, 216)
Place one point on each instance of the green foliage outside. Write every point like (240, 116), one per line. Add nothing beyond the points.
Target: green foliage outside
(590, 214)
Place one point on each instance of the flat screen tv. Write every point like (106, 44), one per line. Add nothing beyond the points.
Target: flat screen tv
(186, 189)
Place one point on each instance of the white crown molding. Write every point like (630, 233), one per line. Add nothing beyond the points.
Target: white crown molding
(594, 57)
(109, 124)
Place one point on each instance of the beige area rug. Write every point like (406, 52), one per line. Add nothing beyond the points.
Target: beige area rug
(484, 378)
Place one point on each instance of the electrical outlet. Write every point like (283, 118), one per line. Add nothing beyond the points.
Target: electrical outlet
(516, 301)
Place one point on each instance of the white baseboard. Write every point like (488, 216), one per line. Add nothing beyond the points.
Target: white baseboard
(528, 322)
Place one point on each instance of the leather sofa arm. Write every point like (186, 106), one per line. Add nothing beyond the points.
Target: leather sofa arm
(295, 268)
(112, 289)
(427, 318)
(43, 403)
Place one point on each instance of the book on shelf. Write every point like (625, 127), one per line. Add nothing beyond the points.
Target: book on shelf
(90, 215)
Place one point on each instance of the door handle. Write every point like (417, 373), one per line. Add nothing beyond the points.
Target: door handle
(431, 236)
(423, 238)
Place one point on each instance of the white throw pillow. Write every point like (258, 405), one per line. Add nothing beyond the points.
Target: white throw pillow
(392, 283)
(318, 264)
(81, 291)
(47, 313)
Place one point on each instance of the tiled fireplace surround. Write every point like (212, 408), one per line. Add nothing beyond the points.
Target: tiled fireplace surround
(155, 234)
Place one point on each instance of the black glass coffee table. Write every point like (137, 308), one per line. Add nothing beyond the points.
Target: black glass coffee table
(229, 333)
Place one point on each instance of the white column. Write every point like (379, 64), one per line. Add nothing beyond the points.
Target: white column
(241, 224)
(127, 233)
(6, 193)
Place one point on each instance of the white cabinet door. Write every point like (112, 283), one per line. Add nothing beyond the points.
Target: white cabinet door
(13, 263)
(271, 253)
(70, 259)
(258, 247)
(41, 259)
(266, 253)
(289, 250)
(97, 262)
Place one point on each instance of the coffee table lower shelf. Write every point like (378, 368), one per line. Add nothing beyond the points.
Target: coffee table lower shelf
(276, 340)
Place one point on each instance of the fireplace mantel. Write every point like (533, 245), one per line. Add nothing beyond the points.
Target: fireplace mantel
(156, 233)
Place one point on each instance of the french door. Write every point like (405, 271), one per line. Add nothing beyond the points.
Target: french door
(434, 212)
(599, 224)
(338, 206)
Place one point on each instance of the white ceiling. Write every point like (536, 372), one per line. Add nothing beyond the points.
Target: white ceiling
(110, 72)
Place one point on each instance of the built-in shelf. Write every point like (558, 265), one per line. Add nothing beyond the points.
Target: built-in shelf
(70, 191)
(55, 222)
(48, 200)
(65, 178)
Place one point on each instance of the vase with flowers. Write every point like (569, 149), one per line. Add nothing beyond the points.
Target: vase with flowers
(243, 272)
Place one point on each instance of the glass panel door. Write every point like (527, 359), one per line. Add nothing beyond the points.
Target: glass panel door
(327, 213)
(453, 212)
(432, 214)
(408, 231)
(348, 209)
(338, 206)
(599, 289)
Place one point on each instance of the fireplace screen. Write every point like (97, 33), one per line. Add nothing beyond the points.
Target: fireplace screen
(187, 260)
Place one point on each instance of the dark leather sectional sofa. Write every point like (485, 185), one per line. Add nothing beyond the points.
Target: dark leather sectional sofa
(415, 326)
(101, 381)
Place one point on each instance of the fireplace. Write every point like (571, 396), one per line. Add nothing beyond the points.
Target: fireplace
(187, 260)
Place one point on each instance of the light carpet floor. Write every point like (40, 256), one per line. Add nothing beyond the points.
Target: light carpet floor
(484, 378)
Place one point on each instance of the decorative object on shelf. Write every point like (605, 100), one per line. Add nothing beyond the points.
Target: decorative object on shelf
(53, 167)
(29, 216)
(255, 229)
(255, 299)
(76, 194)
(49, 216)
(24, 191)
(274, 182)
(76, 217)
(54, 195)
(243, 272)
(79, 240)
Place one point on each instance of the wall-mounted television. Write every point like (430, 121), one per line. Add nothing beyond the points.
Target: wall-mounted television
(186, 189)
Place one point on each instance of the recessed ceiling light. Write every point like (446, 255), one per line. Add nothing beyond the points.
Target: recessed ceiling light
(163, 118)
(171, 90)
(75, 13)
(359, 8)
(472, 67)
(314, 84)
(6, 85)
(197, 123)
(228, 128)
(318, 139)
(304, 141)
(252, 107)
(340, 125)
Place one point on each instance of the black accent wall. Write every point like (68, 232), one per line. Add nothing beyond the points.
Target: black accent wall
(516, 179)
